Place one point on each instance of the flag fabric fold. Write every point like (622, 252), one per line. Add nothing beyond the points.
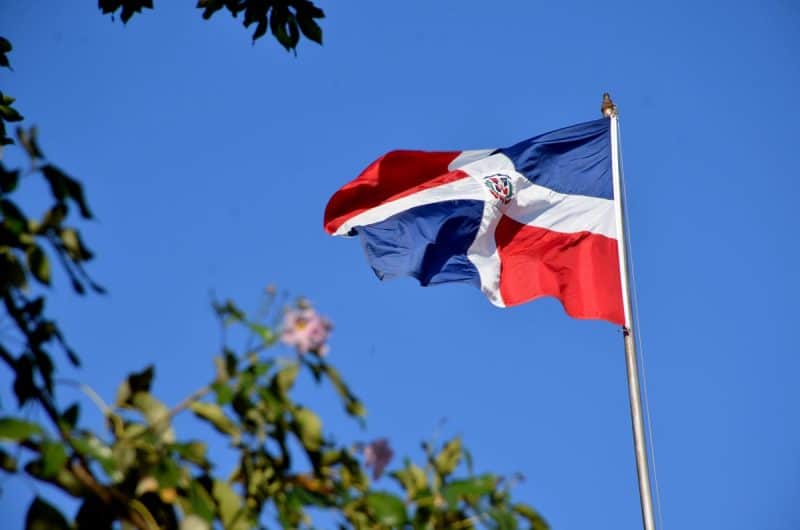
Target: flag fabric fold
(531, 220)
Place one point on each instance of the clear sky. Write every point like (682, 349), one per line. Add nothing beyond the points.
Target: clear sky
(208, 163)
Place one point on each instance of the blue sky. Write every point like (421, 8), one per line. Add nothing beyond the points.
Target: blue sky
(209, 162)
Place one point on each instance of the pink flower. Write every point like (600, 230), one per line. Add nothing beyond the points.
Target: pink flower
(306, 331)
(377, 455)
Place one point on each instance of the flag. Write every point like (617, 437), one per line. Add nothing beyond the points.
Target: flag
(531, 220)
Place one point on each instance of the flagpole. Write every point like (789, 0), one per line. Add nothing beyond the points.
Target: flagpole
(634, 394)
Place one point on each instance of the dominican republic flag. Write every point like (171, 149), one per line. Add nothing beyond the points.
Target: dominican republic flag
(534, 219)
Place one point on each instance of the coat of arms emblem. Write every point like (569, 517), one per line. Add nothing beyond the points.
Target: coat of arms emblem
(500, 186)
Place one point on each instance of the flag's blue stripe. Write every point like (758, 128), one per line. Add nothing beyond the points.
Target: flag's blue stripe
(427, 242)
(574, 160)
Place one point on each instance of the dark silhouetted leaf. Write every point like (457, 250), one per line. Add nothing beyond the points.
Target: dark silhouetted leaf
(44, 516)
(9, 113)
(135, 382)
(7, 462)
(94, 515)
(63, 187)
(12, 273)
(24, 387)
(70, 416)
(310, 28)
(277, 24)
(28, 141)
(129, 7)
(5, 48)
(13, 218)
(8, 179)
(72, 356)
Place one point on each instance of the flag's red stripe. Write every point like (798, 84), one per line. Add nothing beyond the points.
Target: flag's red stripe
(581, 270)
(394, 175)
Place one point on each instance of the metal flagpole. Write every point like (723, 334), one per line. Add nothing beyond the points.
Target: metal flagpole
(639, 441)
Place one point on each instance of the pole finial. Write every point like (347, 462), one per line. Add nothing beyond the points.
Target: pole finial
(608, 108)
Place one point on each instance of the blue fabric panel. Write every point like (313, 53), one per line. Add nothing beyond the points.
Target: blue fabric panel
(574, 160)
(428, 242)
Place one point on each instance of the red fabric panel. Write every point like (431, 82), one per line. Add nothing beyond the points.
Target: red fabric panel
(581, 270)
(394, 175)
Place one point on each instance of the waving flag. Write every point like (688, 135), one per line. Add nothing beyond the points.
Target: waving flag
(531, 220)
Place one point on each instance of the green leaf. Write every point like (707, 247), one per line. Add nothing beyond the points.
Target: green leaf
(194, 452)
(309, 428)
(135, 382)
(92, 447)
(216, 417)
(447, 460)
(387, 509)
(167, 473)
(505, 520)
(463, 489)
(412, 478)
(353, 406)
(202, 504)
(267, 336)
(232, 512)
(286, 377)
(532, 516)
(54, 456)
(224, 393)
(71, 239)
(14, 430)
(156, 414)
(226, 365)
(356, 408)
(38, 264)
(44, 516)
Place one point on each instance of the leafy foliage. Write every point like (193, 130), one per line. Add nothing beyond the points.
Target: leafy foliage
(287, 20)
(137, 471)
(287, 465)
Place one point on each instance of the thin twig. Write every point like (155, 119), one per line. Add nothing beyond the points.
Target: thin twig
(90, 393)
